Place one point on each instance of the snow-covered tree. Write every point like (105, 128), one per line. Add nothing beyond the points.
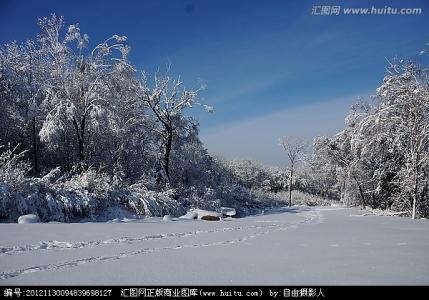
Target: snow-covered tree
(168, 98)
(25, 68)
(337, 150)
(383, 153)
(318, 176)
(77, 94)
(404, 113)
(295, 148)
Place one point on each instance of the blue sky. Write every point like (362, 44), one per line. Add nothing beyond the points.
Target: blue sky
(271, 68)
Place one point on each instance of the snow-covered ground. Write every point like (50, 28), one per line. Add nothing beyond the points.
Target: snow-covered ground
(301, 245)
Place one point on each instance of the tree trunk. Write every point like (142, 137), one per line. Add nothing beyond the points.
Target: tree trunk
(413, 216)
(290, 186)
(168, 143)
(415, 190)
(35, 158)
(374, 200)
(343, 194)
(82, 138)
(80, 134)
(362, 195)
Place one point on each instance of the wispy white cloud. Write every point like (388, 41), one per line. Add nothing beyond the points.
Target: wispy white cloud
(258, 138)
(246, 88)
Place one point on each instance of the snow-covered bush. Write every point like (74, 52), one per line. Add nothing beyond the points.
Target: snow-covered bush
(152, 203)
(95, 182)
(13, 169)
(13, 180)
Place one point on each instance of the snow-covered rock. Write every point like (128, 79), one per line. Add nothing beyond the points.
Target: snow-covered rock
(28, 219)
(199, 214)
(228, 212)
(210, 218)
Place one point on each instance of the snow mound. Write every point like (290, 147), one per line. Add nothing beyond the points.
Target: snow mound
(28, 219)
(116, 220)
(191, 215)
(167, 218)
